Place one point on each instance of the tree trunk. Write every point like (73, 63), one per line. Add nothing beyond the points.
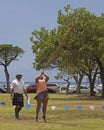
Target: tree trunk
(78, 87)
(78, 81)
(79, 84)
(101, 66)
(67, 88)
(7, 78)
(92, 77)
(92, 88)
(102, 79)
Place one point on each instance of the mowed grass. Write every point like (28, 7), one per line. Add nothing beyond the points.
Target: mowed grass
(58, 119)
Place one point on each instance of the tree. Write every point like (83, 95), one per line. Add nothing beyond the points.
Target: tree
(84, 45)
(42, 41)
(9, 53)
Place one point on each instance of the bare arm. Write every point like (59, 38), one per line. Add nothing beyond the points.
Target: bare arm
(46, 76)
(38, 77)
(11, 92)
(41, 75)
(25, 93)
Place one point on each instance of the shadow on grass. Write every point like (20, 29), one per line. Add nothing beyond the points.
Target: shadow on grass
(63, 124)
(77, 97)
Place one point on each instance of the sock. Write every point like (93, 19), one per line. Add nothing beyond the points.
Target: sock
(16, 112)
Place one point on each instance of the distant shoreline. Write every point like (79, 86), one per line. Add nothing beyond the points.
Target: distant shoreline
(58, 82)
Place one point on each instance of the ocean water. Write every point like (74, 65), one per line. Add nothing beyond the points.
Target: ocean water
(62, 84)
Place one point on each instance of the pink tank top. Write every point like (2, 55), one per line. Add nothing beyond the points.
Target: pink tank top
(41, 86)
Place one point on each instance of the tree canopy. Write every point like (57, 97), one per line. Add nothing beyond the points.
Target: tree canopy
(82, 50)
(9, 53)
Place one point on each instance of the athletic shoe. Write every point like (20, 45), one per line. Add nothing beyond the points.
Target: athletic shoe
(36, 118)
(17, 118)
(44, 118)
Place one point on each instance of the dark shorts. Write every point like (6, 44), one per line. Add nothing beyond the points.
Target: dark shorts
(18, 100)
(41, 96)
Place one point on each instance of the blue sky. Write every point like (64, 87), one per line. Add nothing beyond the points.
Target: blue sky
(18, 18)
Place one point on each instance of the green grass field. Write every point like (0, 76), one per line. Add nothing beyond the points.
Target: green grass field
(58, 119)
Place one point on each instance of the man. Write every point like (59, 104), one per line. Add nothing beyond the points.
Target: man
(17, 91)
(42, 94)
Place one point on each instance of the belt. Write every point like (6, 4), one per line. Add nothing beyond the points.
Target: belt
(17, 94)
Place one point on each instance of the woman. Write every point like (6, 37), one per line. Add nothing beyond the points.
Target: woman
(42, 94)
(17, 90)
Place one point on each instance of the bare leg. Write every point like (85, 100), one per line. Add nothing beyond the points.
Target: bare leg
(38, 107)
(45, 102)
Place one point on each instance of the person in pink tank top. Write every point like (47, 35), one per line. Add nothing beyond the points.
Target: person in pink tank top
(42, 94)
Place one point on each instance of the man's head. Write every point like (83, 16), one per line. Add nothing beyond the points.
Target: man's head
(19, 76)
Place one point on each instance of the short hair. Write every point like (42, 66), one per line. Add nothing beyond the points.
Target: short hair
(18, 75)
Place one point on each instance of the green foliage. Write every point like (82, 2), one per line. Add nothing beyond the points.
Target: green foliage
(8, 53)
(44, 44)
(83, 49)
